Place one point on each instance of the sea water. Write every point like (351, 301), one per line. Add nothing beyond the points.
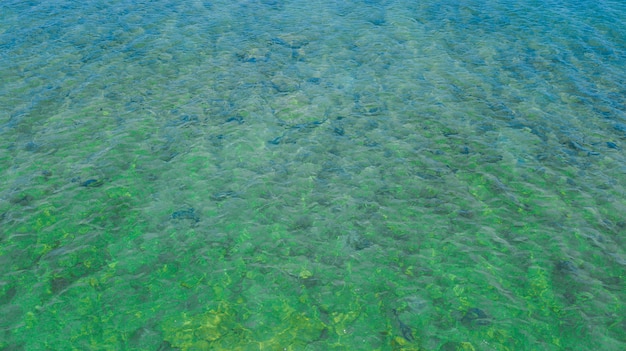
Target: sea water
(312, 175)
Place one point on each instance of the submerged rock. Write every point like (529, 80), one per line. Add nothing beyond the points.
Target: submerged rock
(566, 267)
(405, 330)
(189, 213)
(92, 183)
(223, 195)
(475, 317)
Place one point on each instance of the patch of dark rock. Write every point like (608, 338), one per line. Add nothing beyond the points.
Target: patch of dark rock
(186, 214)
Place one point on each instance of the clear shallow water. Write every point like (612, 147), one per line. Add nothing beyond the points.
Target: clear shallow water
(312, 175)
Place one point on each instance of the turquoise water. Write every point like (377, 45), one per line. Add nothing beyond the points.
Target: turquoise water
(312, 175)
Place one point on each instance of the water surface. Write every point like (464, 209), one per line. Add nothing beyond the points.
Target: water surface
(312, 175)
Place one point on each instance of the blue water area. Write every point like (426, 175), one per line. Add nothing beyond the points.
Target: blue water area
(312, 175)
